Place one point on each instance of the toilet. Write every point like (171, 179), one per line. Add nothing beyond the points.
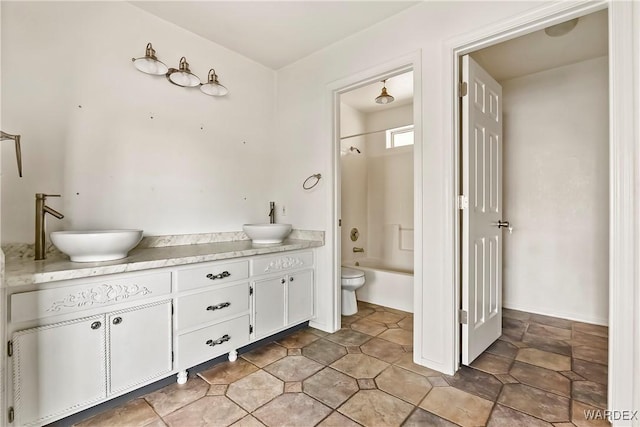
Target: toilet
(352, 279)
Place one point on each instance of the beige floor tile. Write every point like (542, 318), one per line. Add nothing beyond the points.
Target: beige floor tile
(266, 354)
(293, 368)
(457, 406)
(255, 390)
(503, 416)
(298, 339)
(590, 354)
(406, 323)
(404, 384)
(551, 345)
(366, 383)
(475, 382)
(549, 331)
(587, 328)
(336, 419)
(579, 413)
(136, 413)
(515, 314)
(376, 408)
(535, 402)
(492, 364)
(591, 371)
(217, 389)
(503, 349)
(175, 396)
(596, 341)
(385, 317)
(541, 378)
(591, 393)
(292, 409)
(330, 387)
(406, 362)
(324, 351)
(348, 337)
(383, 350)
(398, 336)
(438, 381)
(360, 366)
(248, 421)
(421, 418)
(550, 321)
(208, 411)
(544, 359)
(293, 387)
(228, 372)
(369, 327)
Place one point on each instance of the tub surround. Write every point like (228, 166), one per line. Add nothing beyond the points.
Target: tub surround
(152, 252)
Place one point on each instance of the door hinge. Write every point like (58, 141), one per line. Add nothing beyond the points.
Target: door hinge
(172, 356)
(11, 415)
(250, 329)
(172, 308)
(462, 89)
(463, 202)
(462, 315)
(340, 223)
(250, 290)
(10, 348)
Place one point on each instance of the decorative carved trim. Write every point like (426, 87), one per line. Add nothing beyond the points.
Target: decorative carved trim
(102, 294)
(284, 263)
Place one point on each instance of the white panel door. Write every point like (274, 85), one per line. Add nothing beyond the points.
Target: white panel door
(300, 297)
(482, 185)
(269, 308)
(139, 345)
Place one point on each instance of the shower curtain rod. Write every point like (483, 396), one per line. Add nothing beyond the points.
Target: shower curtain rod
(362, 134)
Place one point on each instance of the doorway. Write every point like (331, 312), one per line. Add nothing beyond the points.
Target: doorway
(545, 180)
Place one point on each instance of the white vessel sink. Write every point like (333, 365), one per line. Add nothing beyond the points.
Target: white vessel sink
(267, 233)
(96, 245)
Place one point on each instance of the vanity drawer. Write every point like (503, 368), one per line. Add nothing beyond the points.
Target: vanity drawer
(199, 346)
(212, 274)
(209, 306)
(83, 296)
(281, 262)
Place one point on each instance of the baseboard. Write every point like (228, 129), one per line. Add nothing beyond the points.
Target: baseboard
(562, 315)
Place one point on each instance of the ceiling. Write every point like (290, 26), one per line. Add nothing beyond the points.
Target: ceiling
(363, 99)
(536, 51)
(274, 33)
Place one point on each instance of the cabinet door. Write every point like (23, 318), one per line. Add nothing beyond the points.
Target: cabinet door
(139, 345)
(58, 369)
(269, 305)
(300, 297)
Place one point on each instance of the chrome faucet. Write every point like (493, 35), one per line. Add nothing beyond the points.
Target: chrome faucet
(272, 212)
(41, 211)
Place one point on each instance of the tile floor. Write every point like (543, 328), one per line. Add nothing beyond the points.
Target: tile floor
(543, 371)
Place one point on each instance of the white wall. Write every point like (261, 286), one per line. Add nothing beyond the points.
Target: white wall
(305, 142)
(389, 189)
(556, 180)
(126, 149)
(353, 182)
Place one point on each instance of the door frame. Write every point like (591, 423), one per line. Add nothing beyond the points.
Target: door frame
(623, 222)
(400, 65)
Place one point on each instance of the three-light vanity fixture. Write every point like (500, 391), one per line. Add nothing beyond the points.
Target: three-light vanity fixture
(182, 76)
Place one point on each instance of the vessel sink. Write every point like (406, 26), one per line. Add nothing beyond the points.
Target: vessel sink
(96, 245)
(267, 233)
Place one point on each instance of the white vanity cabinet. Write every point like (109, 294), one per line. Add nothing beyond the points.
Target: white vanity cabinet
(285, 299)
(68, 366)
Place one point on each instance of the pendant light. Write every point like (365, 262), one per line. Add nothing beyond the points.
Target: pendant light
(213, 86)
(384, 97)
(149, 64)
(183, 75)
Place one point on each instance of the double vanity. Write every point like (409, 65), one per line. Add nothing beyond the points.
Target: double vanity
(82, 333)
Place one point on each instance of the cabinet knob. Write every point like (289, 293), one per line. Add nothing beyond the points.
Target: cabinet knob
(96, 325)
(283, 281)
(220, 340)
(219, 306)
(291, 279)
(117, 320)
(222, 275)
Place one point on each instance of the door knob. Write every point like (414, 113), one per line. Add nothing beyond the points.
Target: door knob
(504, 224)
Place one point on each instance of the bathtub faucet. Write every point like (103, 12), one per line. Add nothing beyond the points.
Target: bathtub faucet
(358, 249)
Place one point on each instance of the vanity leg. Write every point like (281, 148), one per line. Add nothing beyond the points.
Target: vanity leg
(182, 377)
(233, 355)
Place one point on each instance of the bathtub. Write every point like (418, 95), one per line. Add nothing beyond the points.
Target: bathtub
(388, 287)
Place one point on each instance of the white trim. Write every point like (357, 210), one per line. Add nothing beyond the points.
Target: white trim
(624, 238)
(388, 69)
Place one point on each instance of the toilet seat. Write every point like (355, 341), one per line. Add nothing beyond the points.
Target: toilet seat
(351, 273)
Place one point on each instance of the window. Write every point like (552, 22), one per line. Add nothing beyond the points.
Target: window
(400, 137)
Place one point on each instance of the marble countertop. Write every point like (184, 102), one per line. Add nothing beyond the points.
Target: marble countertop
(25, 271)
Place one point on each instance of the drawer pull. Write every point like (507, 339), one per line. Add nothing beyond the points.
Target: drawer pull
(218, 276)
(219, 306)
(283, 281)
(220, 340)
(96, 325)
(117, 320)
(291, 279)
